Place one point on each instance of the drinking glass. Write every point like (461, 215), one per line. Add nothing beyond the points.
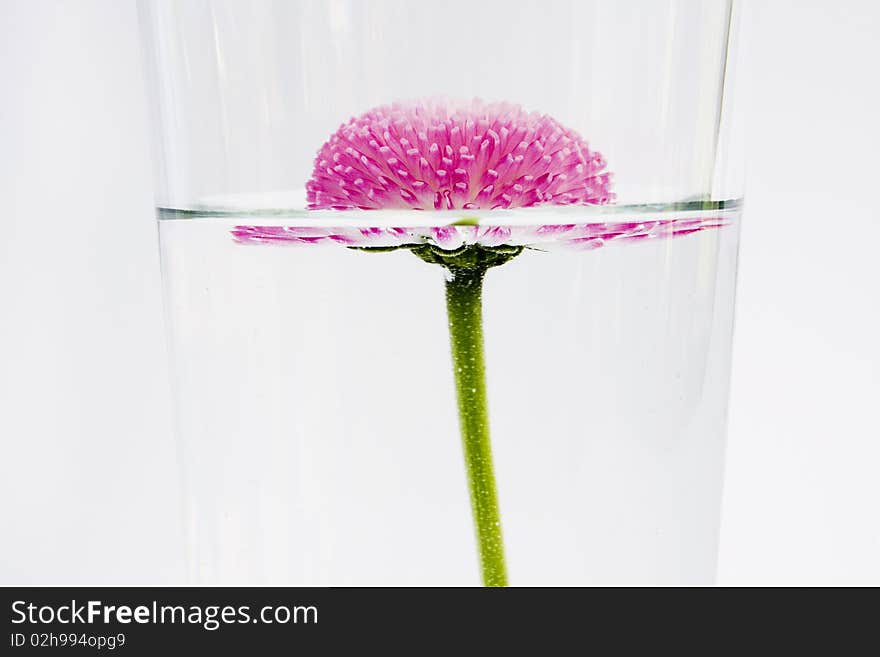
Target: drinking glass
(449, 286)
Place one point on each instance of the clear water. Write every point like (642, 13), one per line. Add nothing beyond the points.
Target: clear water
(318, 422)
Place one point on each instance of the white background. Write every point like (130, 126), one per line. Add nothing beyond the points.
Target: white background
(88, 491)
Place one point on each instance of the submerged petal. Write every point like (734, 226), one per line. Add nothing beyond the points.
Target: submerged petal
(452, 237)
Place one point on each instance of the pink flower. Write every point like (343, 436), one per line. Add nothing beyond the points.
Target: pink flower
(439, 155)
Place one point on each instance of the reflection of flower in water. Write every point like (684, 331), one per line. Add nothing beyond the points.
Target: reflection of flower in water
(578, 236)
(438, 155)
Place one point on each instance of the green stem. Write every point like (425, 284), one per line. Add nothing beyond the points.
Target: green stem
(464, 292)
